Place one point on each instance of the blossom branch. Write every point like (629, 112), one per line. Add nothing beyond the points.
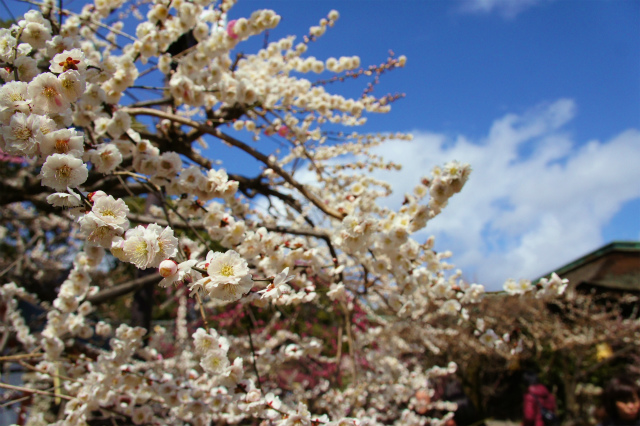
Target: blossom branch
(244, 147)
(122, 289)
(36, 391)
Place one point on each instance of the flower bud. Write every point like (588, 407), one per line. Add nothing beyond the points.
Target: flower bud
(230, 31)
(167, 268)
(253, 395)
(283, 131)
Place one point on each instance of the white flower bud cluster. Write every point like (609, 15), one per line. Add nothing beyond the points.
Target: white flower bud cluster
(145, 247)
(10, 293)
(545, 288)
(552, 286)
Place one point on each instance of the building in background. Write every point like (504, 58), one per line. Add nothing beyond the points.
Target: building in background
(612, 272)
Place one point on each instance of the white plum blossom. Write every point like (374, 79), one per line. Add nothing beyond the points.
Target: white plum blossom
(13, 98)
(278, 286)
(98, 232)
(7, 44)
(46, 94)
(119, 123)
(473, 293)
(94, 95)
(552, 286)
(451, 307)
(105, 158)
(36, 34)
(64, 199)
(72, 85)
(205, 341)
(111, 211)
(227, 278)
(168, 268)
(226, 268)
(142, 415)
(514, 287)
(190, 180)
(173, 272)
(21, 135)
(489, 338)
(63, 141)
(62, 171)
(301, 417)
(169, 165)
(147, 247)
(69, 60)
(337, 292)
(215, 361)
(27, 68)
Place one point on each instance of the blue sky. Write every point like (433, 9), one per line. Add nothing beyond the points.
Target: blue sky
(542, 97)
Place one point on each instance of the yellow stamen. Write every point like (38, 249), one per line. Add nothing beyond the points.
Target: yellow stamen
(226, 270)
(62, 146)
(49, 92)
(63, 172)
(108, 212)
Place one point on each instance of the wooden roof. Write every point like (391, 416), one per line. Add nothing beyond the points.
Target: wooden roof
(615, 266)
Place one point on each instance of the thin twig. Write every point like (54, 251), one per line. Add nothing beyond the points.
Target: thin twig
(244, 147)
(32, 368)
(197, 234)
(204, 318)
(339, 353)
(100, 24)
(15, 401)
(122, 289)
(350, 341)
(152, 102)
(253, 352)
(19, 357)
(36, 391)
(149, 87)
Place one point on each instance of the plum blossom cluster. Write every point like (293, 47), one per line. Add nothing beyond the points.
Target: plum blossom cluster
(544, 288)
(266, 257)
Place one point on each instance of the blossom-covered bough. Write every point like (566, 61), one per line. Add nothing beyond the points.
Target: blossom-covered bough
(302, 239)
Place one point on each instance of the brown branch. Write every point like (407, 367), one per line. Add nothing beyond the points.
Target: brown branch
(339, 352)
(244, 147)
(20, 356)
(39, 392)
(253, 351)
(138, 218)
(309, 233)
(122, 289)
(281, 172)
(152, 102)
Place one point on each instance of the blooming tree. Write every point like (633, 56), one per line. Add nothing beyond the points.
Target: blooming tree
(297, 297)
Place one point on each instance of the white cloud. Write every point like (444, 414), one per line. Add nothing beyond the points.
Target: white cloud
(506, 8)
(536, 199)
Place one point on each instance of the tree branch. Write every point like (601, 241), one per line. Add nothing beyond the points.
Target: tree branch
(122, 289)
(244, 147)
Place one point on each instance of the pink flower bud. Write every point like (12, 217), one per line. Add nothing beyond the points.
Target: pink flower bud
(168, 268)
(230, 31)
(283, 130)
(94, 196)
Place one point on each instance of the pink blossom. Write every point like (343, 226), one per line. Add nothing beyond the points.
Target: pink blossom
(230, 31)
